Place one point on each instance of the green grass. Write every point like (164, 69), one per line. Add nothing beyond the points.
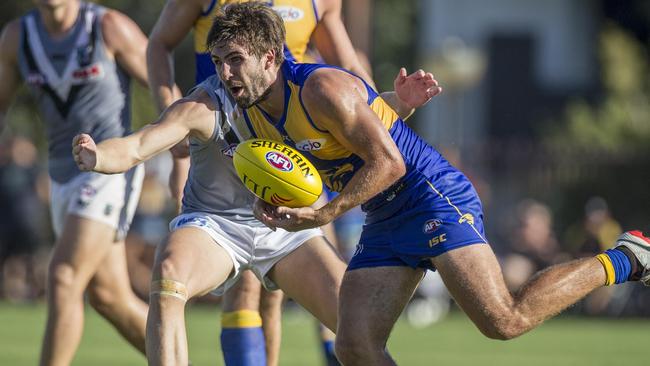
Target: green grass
(565, 341)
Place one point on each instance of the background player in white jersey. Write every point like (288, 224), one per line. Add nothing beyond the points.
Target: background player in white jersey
(77, 59)
(318, 21)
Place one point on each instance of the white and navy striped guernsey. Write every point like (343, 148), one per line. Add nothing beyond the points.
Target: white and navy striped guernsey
(78, 87)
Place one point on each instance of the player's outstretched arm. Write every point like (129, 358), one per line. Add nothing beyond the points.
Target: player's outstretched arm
(127, 43)
(340, 101)
(411, 91)
(189, 116)
(9, 75)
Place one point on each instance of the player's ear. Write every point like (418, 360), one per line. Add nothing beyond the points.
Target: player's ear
(269, 59)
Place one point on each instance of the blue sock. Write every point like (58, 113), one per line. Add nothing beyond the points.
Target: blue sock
(328, 352)
(621, 263)
(242, 339)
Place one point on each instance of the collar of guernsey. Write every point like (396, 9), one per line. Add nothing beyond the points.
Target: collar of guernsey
(300, 129)
(300, 19)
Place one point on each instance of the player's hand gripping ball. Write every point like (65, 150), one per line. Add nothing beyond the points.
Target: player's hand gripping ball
(276, 173)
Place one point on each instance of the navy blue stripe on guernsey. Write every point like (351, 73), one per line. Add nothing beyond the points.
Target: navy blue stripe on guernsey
(311, 122)
(313, 5)
(209, 9)
(249, 124)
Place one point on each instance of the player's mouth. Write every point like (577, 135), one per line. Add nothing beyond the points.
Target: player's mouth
(236, 91)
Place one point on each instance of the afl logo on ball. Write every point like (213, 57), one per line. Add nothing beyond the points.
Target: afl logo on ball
(431, 226)
(279, 161)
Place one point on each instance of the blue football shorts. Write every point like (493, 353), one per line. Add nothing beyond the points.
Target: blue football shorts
(436, 214)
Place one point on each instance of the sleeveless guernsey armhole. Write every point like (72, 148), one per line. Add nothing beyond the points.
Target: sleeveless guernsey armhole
(304, 108)
(313, 3)
(249, 124)
(209, 9)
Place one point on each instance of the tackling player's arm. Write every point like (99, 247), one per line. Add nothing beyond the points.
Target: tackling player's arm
(9, 75)
(193, 116)
(127, 43)
(340, 102)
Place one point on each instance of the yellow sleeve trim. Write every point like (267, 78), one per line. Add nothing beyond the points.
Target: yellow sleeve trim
(241, 319)
(609, 268)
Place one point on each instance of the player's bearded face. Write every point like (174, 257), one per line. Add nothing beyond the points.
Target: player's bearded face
(242, 74)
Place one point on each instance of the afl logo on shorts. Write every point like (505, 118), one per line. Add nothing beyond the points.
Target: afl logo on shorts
(289, 13)
(431, 226)
(279, 161)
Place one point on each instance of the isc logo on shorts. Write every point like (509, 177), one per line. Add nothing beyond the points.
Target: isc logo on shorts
(279, 161)
(289, 13)
(431, 226)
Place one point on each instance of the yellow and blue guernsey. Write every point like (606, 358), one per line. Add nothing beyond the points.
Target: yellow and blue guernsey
(300, 19)
(429, 211)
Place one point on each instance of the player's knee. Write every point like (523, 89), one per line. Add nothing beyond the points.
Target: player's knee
(168, 283)
(101, 299)
(353, 350)
(61, 279)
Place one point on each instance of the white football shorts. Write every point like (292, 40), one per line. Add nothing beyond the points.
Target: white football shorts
(109, 199)
(255, 248)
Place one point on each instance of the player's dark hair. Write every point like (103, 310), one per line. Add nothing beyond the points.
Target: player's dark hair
(252, 25)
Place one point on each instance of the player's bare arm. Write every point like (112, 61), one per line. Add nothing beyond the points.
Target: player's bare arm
(340, 101)
(334, 45)
(174, 23)
(9, 75)
(333, 42)
(127, 43)
(193, 116)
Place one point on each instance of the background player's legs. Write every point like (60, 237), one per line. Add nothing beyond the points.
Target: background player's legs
(271, 312)
(195, 263)
(312, 275)
(242, 338)
(110, 293)
(139, 260)
(371, 301)
(78, 252)
(473, 277)
(327, 338)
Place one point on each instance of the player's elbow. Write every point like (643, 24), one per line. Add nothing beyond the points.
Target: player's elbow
(396, 167)
(156, 49)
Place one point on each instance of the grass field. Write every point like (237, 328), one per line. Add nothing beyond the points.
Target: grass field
(565, 341)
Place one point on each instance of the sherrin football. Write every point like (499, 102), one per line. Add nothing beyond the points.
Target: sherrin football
(277, 173)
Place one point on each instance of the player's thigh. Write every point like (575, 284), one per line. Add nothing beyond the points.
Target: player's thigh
(192, 257)
(81, 247)
(473, 277)
(312, 275)
(372, 299)
(244, 294)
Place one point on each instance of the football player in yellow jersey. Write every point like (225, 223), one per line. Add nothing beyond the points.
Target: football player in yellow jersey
(422, 213)
(317, 21)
